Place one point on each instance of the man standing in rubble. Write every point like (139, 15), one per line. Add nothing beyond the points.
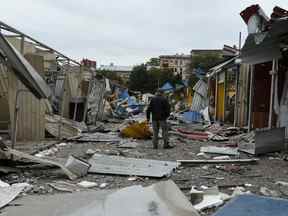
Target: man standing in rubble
(160, 109)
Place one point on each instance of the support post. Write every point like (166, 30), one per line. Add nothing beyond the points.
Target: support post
(272, 89)
(216, 98)
(62, 103)
(237, 83)
(75, 111)
(236, 96)
(16, 109)
(225, 95)
(251, 98)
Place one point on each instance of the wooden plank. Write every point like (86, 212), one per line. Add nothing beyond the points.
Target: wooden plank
(237, 161)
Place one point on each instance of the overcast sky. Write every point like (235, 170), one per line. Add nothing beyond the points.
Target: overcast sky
(129, 32)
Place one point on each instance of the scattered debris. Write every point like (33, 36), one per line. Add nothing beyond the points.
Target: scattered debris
(226, 157)
(136, 130)
(262, 141)
(9, 193)
(19, 154)
(64, 186)
(103, 185)
(130, 166)
(281, 183)
(87, 184)
(254, 205)
(90, 152)
(236, 161)
(68, 127)
(163, 198)
(220, 150)
(4, 184)
(96, 137)
(78, 166)
(211, 197)
(128, 144)
(270, 193)
(48, 152)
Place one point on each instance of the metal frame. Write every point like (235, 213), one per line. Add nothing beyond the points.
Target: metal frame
(4, 26)
(61, 59)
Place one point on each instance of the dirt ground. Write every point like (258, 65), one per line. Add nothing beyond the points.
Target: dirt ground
(270, 169)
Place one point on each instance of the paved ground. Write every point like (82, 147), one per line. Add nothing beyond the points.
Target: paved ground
(270, 169)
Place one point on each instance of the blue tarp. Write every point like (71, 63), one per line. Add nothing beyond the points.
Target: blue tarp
(199, 73)
(252, 205)
(185, 83)
(192, 117)
(132, 102)
(124, 94)
(167, 87)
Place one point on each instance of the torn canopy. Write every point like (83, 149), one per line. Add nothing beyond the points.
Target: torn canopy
(24, 71)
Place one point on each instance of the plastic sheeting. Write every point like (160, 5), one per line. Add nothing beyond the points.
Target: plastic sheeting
(167, 87)
(254, 206)
(192, 117)
(161, 199)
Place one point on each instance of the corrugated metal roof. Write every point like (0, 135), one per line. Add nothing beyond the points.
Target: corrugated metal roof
(104, 164)
(198, 103)
(59, 86)
(219, 67)
(201, 88)
(3, 80)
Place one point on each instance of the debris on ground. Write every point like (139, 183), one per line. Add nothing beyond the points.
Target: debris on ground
(103, 164)
(254, 205)
(220, 150)
(87, 184)
(163, 198)
(136, 130)
(9, 192)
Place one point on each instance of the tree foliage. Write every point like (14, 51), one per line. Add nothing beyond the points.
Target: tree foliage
(148, 81)
(154, 62)
(111, 75)
(203, 62)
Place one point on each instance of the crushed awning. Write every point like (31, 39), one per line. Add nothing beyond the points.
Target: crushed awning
(24, 71)
(220, 67)
(265, 46)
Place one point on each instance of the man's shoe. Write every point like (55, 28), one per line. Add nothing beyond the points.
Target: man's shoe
(155, 146)
(168, 147)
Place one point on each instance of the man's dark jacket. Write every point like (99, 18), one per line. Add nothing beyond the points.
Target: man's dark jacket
(159, 107)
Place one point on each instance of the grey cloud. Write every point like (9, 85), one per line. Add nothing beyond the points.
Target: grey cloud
(130, 31)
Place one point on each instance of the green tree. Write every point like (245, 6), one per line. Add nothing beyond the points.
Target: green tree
(146, 81)
(112, 75)
(139, 79)
(154, 62)
(203, 62)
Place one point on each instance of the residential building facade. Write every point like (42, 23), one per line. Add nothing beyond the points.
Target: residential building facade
(122, 71)
(179, 64)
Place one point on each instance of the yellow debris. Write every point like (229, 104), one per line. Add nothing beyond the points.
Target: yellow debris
(137, 130)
